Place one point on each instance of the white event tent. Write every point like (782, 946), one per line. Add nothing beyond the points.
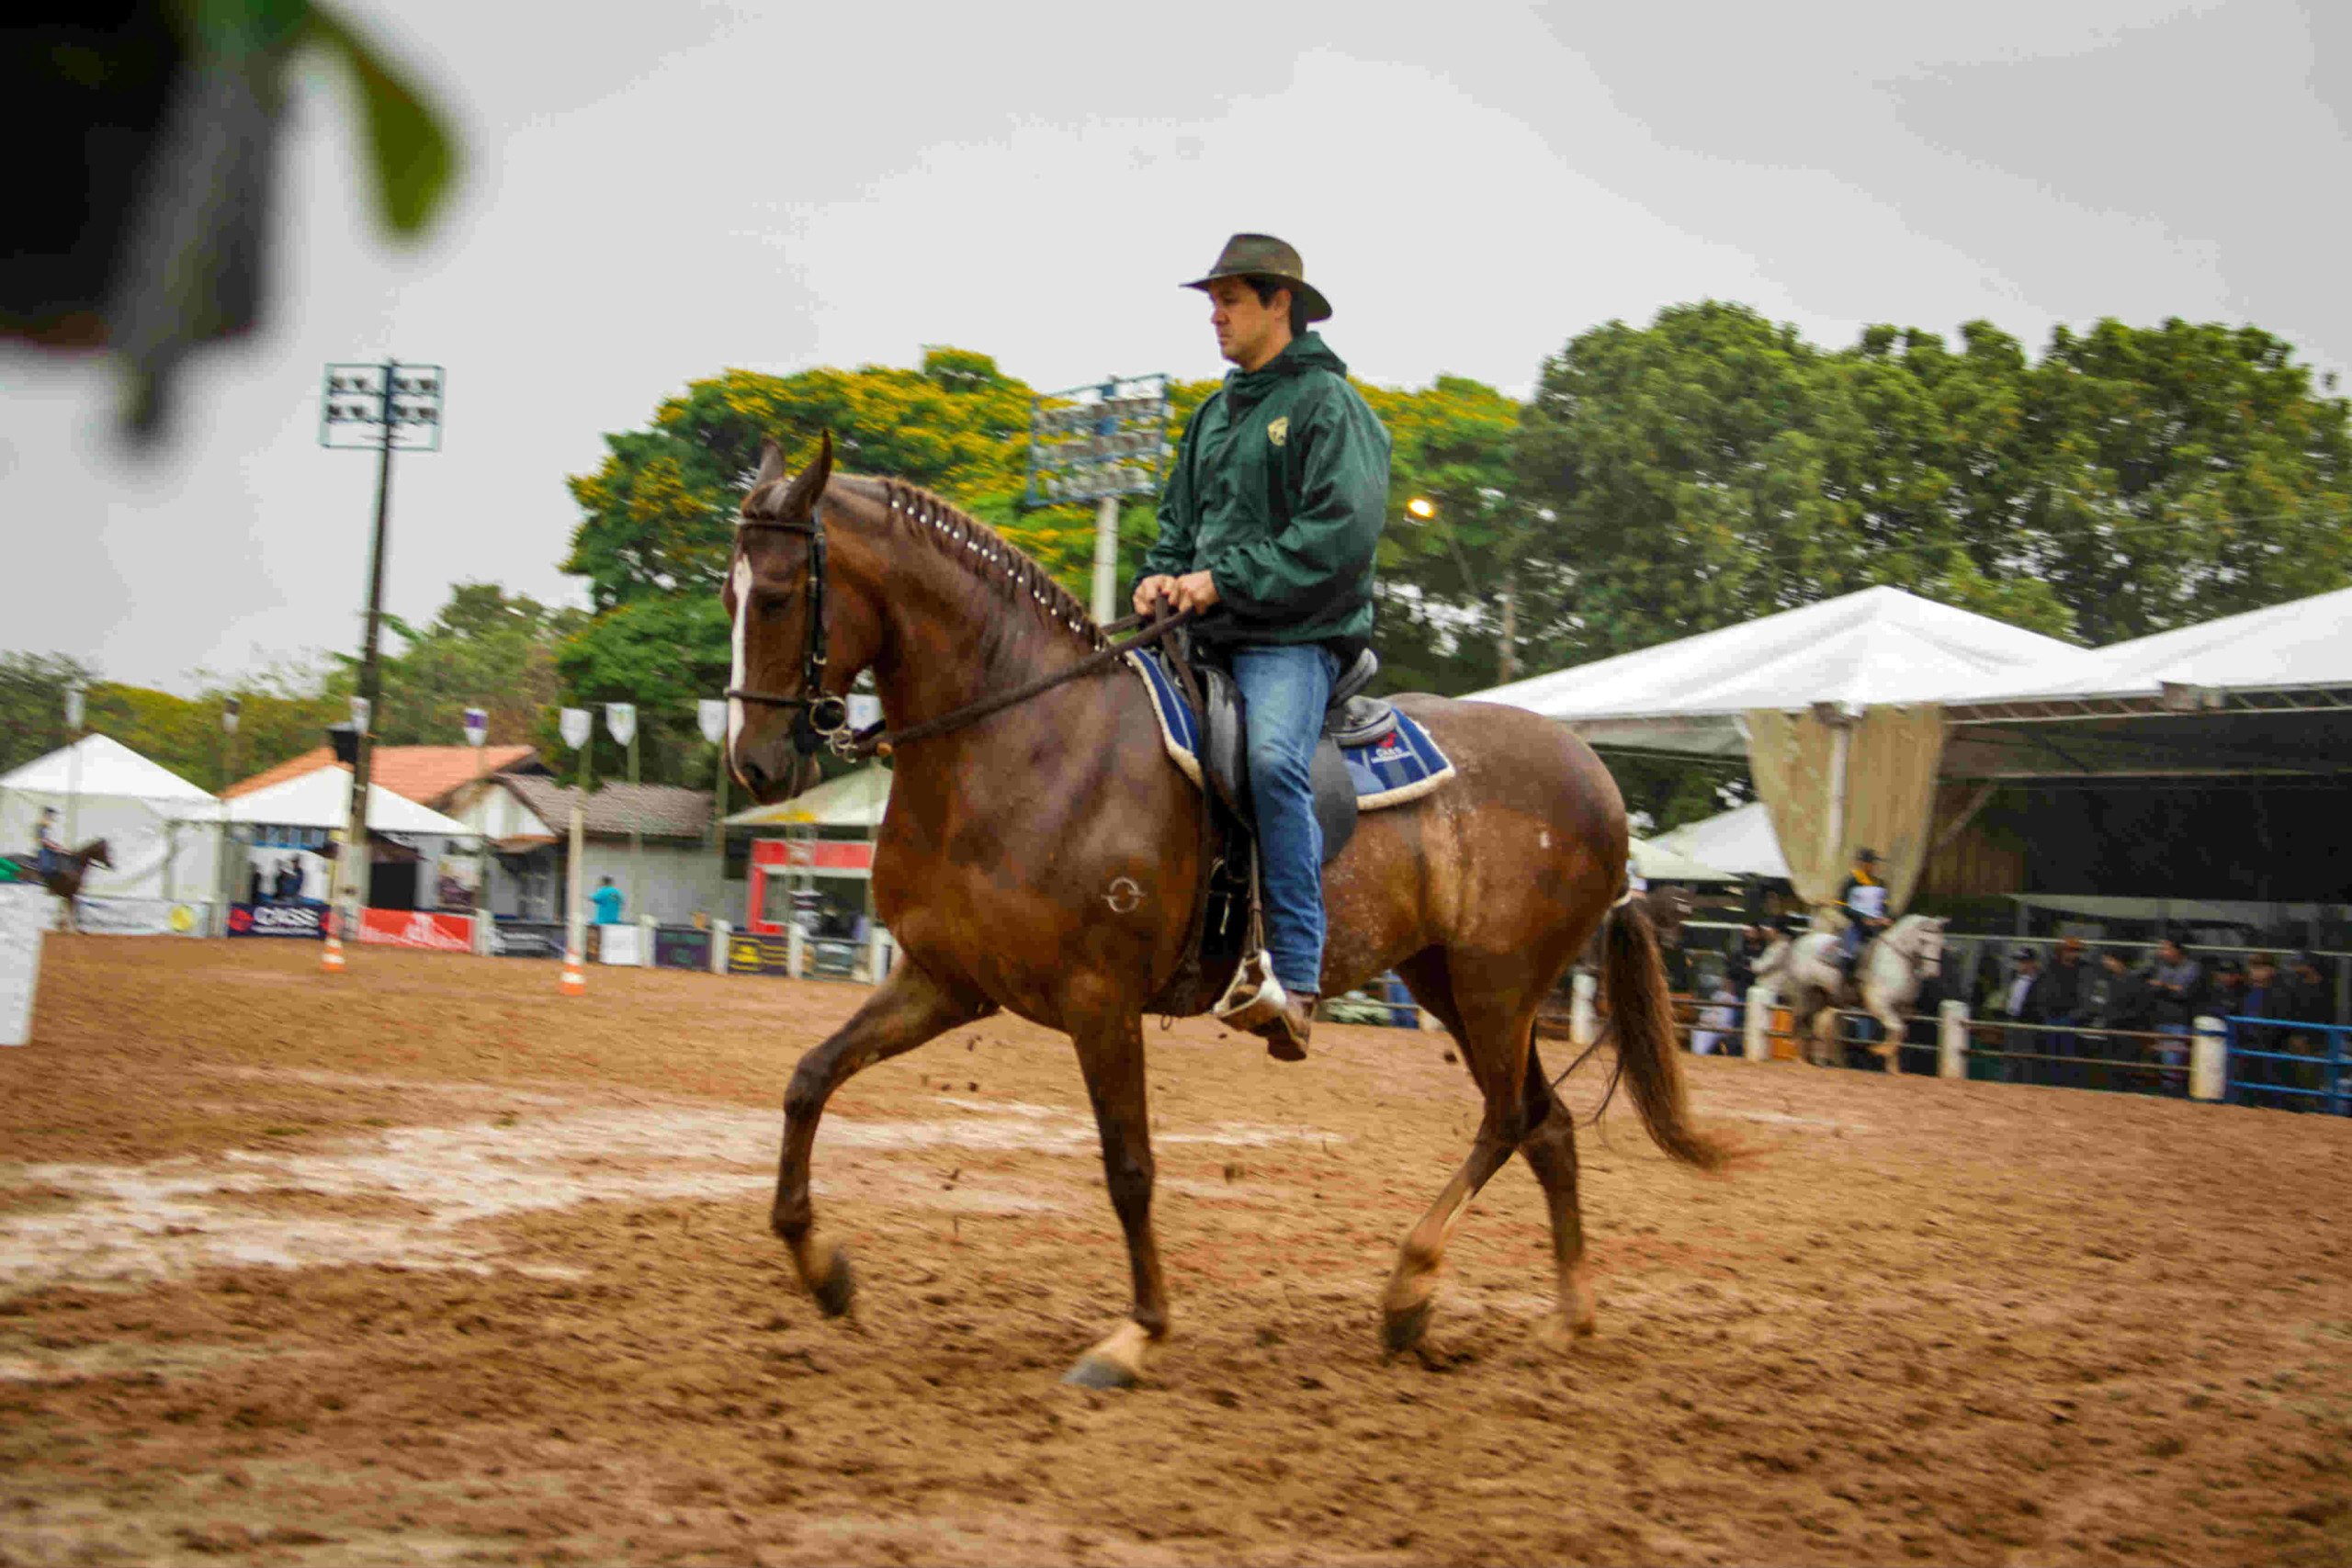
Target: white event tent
(853, 800)
(1740, 841)
(1655, 861)
(321, 798)
(1841, 693)
(1878, 645)
(163, 833)
(2292, 657)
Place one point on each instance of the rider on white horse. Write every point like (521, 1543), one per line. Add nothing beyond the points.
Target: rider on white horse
(1863, 902)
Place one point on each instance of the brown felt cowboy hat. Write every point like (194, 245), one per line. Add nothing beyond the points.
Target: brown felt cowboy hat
(1264, 256)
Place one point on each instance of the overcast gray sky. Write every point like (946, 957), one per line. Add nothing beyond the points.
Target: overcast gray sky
(664, 191)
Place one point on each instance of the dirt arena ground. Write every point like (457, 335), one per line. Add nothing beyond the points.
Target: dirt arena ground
(428, 1263)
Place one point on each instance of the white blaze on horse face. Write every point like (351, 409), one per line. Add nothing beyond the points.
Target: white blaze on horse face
(741, 631)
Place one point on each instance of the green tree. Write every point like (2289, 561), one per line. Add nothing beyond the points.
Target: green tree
(32, 703)
(487, 648)
(657, 527)
(2180, 473)
(1452, 580)
(1714, 467)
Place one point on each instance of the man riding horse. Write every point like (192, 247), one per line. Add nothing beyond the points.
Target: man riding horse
(48, 850)
(1272, 512)
(1863, 902)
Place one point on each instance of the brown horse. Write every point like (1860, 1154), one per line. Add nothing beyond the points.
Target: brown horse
(1046, 859)
(65, 878)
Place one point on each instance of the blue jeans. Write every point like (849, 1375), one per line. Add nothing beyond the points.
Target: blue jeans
(1284, 688)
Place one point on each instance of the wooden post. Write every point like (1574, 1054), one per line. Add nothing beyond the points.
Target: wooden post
(1584, 1023)
(1951, 1039)
(1757, 1024)
(2208, 1060)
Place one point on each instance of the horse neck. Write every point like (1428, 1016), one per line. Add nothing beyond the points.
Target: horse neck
(950, 633)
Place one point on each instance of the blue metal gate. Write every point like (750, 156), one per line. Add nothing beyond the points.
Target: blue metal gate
(2260, 1073)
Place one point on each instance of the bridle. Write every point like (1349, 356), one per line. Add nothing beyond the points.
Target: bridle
(821, 722)
(818, 720)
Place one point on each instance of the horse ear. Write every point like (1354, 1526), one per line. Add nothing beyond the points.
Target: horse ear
(800, 497)
(770, 463)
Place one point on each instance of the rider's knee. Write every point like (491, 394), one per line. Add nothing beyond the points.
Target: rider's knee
(1278, 759)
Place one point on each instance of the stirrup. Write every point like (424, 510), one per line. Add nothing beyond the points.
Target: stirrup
(1255, 999)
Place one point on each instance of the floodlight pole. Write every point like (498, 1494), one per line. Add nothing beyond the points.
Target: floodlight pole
(353, 882)
(351, 865)
(1107, 533)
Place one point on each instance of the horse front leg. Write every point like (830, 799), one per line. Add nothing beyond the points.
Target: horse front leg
(907, 1009)
(1892, 1029)
(1110, 1053)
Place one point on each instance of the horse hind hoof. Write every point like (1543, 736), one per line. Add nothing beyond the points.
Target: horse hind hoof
(1099, 1371)
(835, 1290)
(1402, 1331)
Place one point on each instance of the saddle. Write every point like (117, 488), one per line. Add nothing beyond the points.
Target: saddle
(1350, 719)
(1368, 756)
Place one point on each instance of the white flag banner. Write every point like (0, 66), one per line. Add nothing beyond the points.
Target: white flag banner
(620, 721)
(74, 708)
(477, 725)
(360, 710)
(576, 728)
(711, 712)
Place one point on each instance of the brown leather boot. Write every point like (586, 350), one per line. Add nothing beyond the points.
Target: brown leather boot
(1287, 1034)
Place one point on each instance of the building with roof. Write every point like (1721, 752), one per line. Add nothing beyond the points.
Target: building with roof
(525, 818)
(428, 775)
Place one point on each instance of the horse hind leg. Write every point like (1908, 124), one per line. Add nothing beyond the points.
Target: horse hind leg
(1495, 1048)
(1550, 1150)
(906, 1009)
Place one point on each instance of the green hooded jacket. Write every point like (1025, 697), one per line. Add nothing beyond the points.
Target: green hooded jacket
(1279, 490)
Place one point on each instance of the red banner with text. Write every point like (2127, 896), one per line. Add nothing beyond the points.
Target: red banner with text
(417, 928)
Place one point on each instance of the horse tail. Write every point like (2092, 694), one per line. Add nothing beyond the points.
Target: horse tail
(1641, 1013)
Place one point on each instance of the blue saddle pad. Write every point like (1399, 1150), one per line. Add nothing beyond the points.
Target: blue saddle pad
(1402, 763)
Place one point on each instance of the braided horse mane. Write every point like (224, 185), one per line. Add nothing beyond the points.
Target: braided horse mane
(984, 554)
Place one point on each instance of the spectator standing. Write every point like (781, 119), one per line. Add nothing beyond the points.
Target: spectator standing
(2225, 989)
(2021, 1004)
(1740, 956)
(607, 899)
(1717, 1020)
(2065, 999)
(2176, 989)
(1739, 968)
(2304, 997)
(2260, 998)
(2124, 1002)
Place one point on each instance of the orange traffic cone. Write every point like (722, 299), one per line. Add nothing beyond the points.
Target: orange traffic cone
(331, 960)
(575, 984)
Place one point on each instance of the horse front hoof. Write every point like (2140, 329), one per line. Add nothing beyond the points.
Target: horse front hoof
(1098, 1372)
(1116, 1362)
(837, 1286)
(1402, 1331)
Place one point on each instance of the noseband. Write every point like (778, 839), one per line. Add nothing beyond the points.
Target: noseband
(817, 721)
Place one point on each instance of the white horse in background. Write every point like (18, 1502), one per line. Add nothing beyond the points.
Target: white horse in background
(1805, 974)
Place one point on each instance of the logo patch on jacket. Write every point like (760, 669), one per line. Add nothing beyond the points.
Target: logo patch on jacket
(1279, 431)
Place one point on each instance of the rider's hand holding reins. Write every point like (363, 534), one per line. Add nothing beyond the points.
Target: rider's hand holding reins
(1194, 591)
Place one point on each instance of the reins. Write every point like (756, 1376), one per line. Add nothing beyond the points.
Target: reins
(823, 720)
(875, 740)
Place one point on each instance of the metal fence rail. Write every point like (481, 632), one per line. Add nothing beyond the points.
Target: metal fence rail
(2333, 1070)
(2211, 1063)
